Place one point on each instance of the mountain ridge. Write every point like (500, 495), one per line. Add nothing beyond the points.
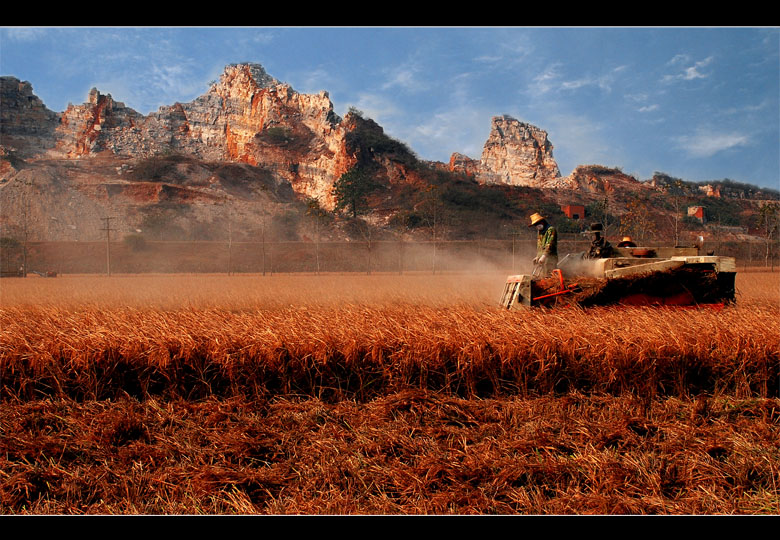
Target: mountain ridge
(251, 147)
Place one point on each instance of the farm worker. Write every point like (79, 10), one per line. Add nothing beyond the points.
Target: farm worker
(627, 242)
(546, 244)
(599, 247)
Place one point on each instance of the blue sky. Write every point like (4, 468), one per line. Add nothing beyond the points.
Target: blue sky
(696, 103)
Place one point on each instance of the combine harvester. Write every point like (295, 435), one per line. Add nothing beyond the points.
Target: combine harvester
(636, 276)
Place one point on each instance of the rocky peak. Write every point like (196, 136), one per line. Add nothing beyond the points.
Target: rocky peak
(26, 124)
(247, 116)
(463, 164)
(93, 126)
(517, 153)
(599, 179)
(247, 74)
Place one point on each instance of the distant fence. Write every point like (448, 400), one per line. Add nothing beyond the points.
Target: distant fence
(505, 255)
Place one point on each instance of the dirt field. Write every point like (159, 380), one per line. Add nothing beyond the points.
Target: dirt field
(380, 394)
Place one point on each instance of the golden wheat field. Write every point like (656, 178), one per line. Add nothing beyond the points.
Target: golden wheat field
(380, 394)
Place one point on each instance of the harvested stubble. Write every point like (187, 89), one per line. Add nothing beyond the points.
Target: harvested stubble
(410, 452)
(435, 401)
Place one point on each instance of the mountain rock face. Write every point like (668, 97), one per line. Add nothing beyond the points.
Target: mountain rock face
(598, 179)
(26, 125)
(249, 138)
(464, 164)
(517, 154)
(246, 117)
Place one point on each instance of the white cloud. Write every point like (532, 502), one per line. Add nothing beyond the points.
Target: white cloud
(507, 49)
(146, 89)
(546, 80)
(316, 80)
(637, 98)
(455, 130)
(489, 59)
(604, 81)
(578, 140)
(262, 38)
(375, 106)
(678, 59)
(747, 109)
(706, 144)
(688, 72)
(517, 49)
(551, 79)
(648, 108)
(24, 33)
(404, 77)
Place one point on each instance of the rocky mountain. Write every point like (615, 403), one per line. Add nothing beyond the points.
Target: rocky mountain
(246, 117)
(254, 154)
(249, 141)
(517, 154)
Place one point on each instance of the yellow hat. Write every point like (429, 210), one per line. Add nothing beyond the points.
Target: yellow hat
(536, 218)
(627, 239)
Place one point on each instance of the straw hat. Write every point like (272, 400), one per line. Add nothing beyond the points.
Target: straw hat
(536, 218)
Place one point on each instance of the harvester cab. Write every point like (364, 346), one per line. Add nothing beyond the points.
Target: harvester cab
(669, 276)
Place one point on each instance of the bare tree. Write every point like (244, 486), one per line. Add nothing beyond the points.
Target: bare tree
(637, 221)
(431, 214)
(675, 190)
(768, 221)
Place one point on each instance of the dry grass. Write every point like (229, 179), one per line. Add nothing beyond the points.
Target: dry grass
(380, 394)
(408, 453)
(250, 291)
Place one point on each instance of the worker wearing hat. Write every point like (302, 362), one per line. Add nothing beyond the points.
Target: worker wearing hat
(599, 247)
(546, 244)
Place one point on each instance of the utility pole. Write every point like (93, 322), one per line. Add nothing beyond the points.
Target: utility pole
(26, 206)
(433, 201)
(108, 230)
(368, 238)
(434, 235)
(401, 254)
(230, 247)
(263, 223)
(317, 239)
(26, 210)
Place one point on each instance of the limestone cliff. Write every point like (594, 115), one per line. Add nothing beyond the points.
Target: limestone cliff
(26, 126)
(518, 154)
(464, 164)
(247, 117)
(598, 179)
(249, 147)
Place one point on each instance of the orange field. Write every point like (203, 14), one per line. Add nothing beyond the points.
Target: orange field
(381, 394)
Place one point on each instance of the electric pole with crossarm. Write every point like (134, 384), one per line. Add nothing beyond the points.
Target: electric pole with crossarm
(108, 230)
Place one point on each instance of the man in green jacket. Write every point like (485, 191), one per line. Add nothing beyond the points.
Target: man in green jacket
(546, 244)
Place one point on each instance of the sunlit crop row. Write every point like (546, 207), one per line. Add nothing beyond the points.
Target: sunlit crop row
(338, 335)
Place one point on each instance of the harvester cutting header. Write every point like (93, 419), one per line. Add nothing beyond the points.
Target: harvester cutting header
(625, 274)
